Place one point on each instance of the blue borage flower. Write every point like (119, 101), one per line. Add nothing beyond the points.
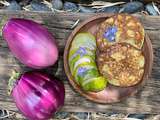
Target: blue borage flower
(110, 33)
(81, 51)
(82, 70)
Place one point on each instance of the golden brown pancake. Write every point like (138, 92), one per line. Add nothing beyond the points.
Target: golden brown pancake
(120, 28)
(122, 64)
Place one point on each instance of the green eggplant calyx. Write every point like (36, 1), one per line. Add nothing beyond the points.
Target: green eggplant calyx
(13, 80)
(3, 21)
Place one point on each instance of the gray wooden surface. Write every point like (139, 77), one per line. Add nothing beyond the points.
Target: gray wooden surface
(146, 101)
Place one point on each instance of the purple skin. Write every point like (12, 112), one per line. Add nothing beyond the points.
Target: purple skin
(38, 96)
(30, 42)
(110, 33)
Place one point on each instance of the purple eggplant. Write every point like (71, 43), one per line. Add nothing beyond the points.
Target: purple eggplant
(30, 42)
(37, 95)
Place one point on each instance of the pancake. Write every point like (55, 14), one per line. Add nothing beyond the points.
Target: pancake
(122, 64)
(120, 28)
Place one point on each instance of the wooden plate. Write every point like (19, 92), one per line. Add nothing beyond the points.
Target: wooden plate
(111, 93)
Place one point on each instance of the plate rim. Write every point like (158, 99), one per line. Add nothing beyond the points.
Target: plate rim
(71, 78)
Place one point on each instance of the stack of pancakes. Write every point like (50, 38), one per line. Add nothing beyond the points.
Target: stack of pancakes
(120, 40)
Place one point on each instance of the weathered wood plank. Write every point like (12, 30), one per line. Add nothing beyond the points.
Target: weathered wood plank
(146, 101)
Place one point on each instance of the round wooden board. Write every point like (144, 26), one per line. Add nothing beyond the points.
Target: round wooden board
(112, 93)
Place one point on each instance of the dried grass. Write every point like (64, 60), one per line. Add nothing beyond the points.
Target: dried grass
(9, 115)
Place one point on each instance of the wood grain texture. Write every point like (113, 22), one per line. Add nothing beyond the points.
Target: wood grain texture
(145, 101)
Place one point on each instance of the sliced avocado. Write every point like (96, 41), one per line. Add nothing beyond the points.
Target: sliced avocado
(74, 52)
(94, 84)
(80, 60)
(84, 40)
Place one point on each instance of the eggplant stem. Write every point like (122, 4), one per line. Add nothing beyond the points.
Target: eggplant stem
(3, 21)
(13, 80)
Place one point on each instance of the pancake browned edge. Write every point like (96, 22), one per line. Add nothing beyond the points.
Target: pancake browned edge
(120, 28)
(122, 64)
